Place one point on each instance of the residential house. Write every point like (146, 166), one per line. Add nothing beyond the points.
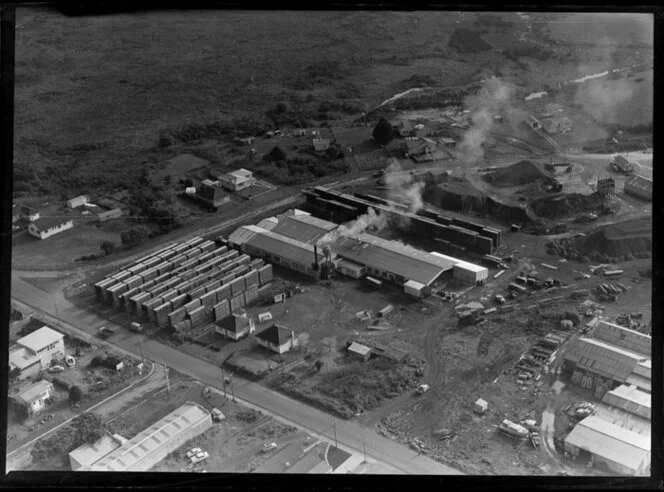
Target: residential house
(448, 142)
(421, 130)
(237, 180)
(321, 144)
(35, 352)
(29, 213)
(277, 338)
(31, 398)
(557, 125)
(49, 226)
(236, 326)
(77, 201)
(404, 128)
(109, 214)
(211, 195)
(419, 149)
(299, 132)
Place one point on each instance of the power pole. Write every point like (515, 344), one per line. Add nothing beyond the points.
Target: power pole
(140, 347)
(233, 390)
(168, 384)
(336, 444)
(223, 380)
(364, 446)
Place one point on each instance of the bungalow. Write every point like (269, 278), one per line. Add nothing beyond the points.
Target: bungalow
(321, 144)
(34, 352)
(29, 213)
(211, 195)
(237, 180)
(31, 398)
(448, 142)
(236, 326)
(300, 132)
(47, 227)
(109, 214)
(77, 201)
(277, 338)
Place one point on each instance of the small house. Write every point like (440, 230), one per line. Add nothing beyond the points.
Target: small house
(236, 326)
(33, 397)
(359, 351)
(47, 227)
(29, 213)
(321, 144)
(639, 186)
(114, 213)
(300, 132)
(34, 352)
(211, 195)
(404, 128)
(77, 201)
(480, 406)
(415, 289)
(237, 180)
(349, 268)
(277, 338)
(448, 142)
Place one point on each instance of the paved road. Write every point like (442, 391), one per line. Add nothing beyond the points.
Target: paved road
(349, 434)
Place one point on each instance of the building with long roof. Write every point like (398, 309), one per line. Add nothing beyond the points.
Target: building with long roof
(299, 225)
(620, 336)
(464, 270)
(149, 447)
(631, 399)
(88, 454)
(610, 446)
(639, 186)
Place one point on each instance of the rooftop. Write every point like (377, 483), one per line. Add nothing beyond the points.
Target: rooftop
(610, 441)
(602, 358)
(127, 456)
(277, 244)
(472, 267)
(21, 357)
(235, 323)
(241, 173)
(88, 454)
(390, 256)
(623, 337)
(640, 182)
(40, 338)
(276, 334)
(210, 193)
(358, 348)
(302, 227)
(45, 223)
(33, 391)
(629, 398)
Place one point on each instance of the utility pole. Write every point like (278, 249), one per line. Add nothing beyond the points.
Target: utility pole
(233, 390)
(336, 443)
(223, 380)
(168, 384)
(364, 446)
(140, 347)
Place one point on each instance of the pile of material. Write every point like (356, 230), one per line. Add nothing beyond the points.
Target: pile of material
(521, 173)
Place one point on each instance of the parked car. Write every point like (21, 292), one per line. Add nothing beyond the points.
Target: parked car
(217, 416)
(202, 456)
(70, 361)
(422, 388)
(55, 369)
(269, 446)
(193, 452)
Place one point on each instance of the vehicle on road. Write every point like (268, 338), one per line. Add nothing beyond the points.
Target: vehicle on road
(193, 452)
(269, 446)
(422, 388)
(55, 369)
(104, 333)
(202, 456)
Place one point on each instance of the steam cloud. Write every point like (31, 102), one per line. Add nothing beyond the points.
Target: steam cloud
(494, 98)
(370, 220)
(401, 187)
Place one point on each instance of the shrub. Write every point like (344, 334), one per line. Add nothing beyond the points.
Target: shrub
(383, 133)
(134, 236)
(107, 247)
(75, 394)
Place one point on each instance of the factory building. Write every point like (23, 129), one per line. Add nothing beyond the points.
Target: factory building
(631, 399)
(152, 445)
(88, 454)
(299, 225)
(465, 271)
(392, 261)
(609, 446)
(277, 249)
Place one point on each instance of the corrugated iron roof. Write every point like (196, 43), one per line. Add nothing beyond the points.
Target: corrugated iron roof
(623, 337)
(640, 182)
(283, 247)
(610, 441)
(358, 348)
(34, 391)
(294, 227)
(630, 398)
(389, 256)
(130, 453)
(88, 454)
(602, 358)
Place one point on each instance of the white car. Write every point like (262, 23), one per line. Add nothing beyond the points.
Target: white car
(193, 452)
(269, 446)
(202, 456)
(56, 369)
(70, 361)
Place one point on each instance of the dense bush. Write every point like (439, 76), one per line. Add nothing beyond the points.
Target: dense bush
(383, 133)
(86, 428)
(75, 394)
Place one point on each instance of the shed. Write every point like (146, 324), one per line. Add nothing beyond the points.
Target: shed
(414, 289)
(359, 351)
(77, 201)
(480, 406)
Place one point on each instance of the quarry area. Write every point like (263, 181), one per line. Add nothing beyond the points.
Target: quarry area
(451, 254)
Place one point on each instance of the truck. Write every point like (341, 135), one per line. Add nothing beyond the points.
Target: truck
(137, 327)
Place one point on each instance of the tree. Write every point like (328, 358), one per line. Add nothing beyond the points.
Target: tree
(278, 154)
(89, 428)
(107, 247)
(75, 394)
(134, 236)
(383, 133)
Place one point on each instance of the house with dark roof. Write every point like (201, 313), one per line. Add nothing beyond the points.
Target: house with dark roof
(46, 227)
(236, 326)
(211, 195)
(277, 338)
(28, 213)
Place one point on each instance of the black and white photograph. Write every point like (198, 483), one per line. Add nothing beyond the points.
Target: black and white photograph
(358, 242)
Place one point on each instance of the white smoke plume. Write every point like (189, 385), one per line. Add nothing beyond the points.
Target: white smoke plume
(493, 99)
(402, 188)
(373, 221)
